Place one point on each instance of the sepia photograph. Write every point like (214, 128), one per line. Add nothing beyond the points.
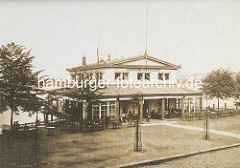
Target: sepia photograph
(120, 84)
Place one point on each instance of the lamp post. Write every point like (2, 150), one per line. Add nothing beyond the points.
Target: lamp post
(138, 142)
(36, 148)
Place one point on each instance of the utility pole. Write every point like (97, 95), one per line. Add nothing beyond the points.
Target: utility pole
(146, 55)
(206, 124)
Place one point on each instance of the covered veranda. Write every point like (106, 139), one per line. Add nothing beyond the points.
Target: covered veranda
(154, 102)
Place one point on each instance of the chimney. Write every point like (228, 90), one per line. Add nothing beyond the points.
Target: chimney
(84, 61)
(109, 57)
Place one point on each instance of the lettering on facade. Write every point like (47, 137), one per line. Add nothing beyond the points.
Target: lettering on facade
(144, 70)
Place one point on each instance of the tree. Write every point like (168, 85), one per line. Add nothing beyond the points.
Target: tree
(18, 82)
(236, 93)
(219, 84)
(84, 92)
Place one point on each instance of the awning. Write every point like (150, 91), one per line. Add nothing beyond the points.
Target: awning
(118, 92)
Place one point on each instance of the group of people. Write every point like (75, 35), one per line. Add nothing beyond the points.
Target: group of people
(170, 113)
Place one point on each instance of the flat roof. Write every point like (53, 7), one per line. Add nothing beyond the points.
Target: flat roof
(117, 92)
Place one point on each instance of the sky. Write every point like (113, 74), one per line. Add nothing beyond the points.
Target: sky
(198, 35)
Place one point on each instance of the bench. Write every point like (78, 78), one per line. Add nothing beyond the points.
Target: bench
(50, 130)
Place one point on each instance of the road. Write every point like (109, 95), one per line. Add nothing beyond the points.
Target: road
(228, 158)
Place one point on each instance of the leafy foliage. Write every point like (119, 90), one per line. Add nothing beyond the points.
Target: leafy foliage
(237, 86)
(219, 84)
(83, 93)
(236, 93)
(18, 82)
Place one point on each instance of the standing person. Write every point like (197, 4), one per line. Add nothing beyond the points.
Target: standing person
(172, 113)
(147, 116)
(169, 113)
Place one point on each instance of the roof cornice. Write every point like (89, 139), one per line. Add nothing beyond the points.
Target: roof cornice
(117, 64)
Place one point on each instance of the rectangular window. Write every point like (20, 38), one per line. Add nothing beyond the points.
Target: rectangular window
(160, 76)
(87, 76)
(125, 76)
(166, 76)
(112, 110)
(99, 76)
(140, 76)
(73, 76)
(117, 76)
(90, 76)
(147, 76)
(103, 111)
(80, 77)
(95, 112)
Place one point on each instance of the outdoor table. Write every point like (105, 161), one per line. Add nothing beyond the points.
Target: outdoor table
(201, 116)
(41, 126)
(132, 123)
(213, 114)
(189, 117)
(116, 124)
(50, 130)
(231, 113)
(224, 113)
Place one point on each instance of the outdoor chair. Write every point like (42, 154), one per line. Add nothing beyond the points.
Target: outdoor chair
(224, 113)
(101, 125)
(231, 112)
(213, 114)
(88, 126)
(72, 128)
(189, 117)
(116, 124)
(132, 123)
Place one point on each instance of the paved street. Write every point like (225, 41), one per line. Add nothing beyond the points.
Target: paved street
(228, 158)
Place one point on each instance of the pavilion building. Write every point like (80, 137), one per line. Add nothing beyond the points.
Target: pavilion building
(162, 96)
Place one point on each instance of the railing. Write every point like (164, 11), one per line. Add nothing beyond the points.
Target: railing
(31, 125)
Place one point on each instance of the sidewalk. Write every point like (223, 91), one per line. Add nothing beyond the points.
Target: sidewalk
(174, 124)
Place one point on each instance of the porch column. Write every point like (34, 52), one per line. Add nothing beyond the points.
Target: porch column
(178, 103)
(100, 111)
(141, 109)
(117, 107)
(163, 108)
(183, 108)
(189, 105)
(194, 109)
(201, 104)
(213, 107)
(84, 110)
(108, 110)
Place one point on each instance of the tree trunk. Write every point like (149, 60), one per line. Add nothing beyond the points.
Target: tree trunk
(11, 121)
(51, 116)
(218, 108)
(46, 117)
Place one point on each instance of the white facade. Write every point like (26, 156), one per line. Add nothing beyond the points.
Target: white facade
(131, 71)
